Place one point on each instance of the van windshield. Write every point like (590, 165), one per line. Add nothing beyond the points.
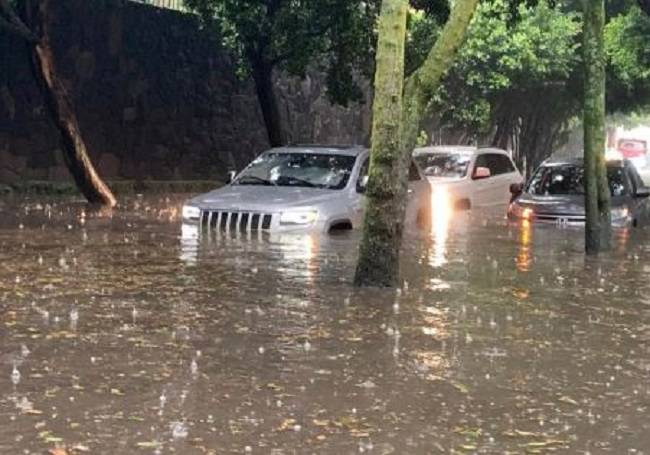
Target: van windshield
(449, 165)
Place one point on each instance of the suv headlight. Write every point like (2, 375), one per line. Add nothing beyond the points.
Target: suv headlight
(299, 217)
(517, 211)
(191, 213)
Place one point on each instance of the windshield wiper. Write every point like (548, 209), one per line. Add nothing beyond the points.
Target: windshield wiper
(295, 180)
(254, 180)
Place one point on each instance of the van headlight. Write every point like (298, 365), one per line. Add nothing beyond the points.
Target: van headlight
(298, 217)
(191, 213)
(620, 213)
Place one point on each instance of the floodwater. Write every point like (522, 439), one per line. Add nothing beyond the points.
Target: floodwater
(121, 335)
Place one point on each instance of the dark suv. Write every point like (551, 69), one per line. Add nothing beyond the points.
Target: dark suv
(555, 194)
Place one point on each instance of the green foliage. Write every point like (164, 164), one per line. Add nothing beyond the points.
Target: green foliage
(501, 56)
(627, 43)
(423, 139)
(423, 30)
(338, 35)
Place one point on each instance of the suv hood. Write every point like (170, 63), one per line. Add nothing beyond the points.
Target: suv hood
(561, 204)
(264, 198)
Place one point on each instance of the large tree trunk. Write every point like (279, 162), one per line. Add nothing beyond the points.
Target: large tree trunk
(379, 253)
(263, 78)
(598, 218)
(388, 184)
(60, 106)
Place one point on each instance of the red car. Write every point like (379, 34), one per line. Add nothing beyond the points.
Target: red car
(635, 150)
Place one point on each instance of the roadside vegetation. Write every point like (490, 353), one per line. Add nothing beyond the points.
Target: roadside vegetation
(509, 73)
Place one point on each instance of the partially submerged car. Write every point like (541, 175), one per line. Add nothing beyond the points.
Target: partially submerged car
(555, 194)
(468, 177)
(299, 188)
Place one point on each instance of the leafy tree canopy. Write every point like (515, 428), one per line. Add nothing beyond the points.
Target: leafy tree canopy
(627, 42)
(502, 55)
(528, 52)
(291, 34)
(338, 36)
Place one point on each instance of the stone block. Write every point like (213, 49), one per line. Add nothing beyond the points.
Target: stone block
(129, 114)
(85, 65)
(58, 174)
(8, 176)
(7, 102)
(108, 166)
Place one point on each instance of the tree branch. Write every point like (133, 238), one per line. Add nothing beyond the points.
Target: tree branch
(10, 21)
(304, 37)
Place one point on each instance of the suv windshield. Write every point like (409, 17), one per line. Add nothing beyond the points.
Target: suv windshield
(568, 180)
(299, 169)
(451, 165)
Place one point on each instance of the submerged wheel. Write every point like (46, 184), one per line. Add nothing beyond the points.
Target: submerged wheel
(340, 226)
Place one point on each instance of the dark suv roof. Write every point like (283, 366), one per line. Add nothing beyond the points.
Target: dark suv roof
(579, 162)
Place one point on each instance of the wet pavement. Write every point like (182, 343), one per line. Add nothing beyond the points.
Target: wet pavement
(119, 335)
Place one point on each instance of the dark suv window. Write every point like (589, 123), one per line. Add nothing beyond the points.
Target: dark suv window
(568, 179)
(634, 177)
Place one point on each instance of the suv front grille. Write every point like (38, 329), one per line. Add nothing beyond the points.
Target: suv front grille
(235, 221)
(560, 218)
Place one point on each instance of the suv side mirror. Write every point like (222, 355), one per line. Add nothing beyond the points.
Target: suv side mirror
(516, 189)
(362, 184)
(642, 192)
(230, 177)
(481, 173)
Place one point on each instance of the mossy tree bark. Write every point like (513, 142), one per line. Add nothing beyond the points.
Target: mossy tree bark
(597, 196)
(398, 109)
(379, 251)
(57, 99)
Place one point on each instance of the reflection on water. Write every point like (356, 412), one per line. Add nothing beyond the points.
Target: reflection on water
(128, 333)
(189, 251)
(441, 213)
(525, 237)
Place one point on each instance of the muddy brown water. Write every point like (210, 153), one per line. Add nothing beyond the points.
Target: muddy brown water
(121, 333)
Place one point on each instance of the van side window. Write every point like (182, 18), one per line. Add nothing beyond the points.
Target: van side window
(505, 164)
(482, 161)
(496, 163)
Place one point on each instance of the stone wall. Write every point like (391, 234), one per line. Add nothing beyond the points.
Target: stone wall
(155, 96)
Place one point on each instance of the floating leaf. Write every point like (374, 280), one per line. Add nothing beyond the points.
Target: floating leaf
(287, 424)
(148, 444)
(568, 400)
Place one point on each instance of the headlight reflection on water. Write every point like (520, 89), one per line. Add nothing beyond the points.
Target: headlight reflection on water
(189, 243)
(441, 213)
(524, 258)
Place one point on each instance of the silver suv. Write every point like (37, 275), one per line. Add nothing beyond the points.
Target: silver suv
(298, 188)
